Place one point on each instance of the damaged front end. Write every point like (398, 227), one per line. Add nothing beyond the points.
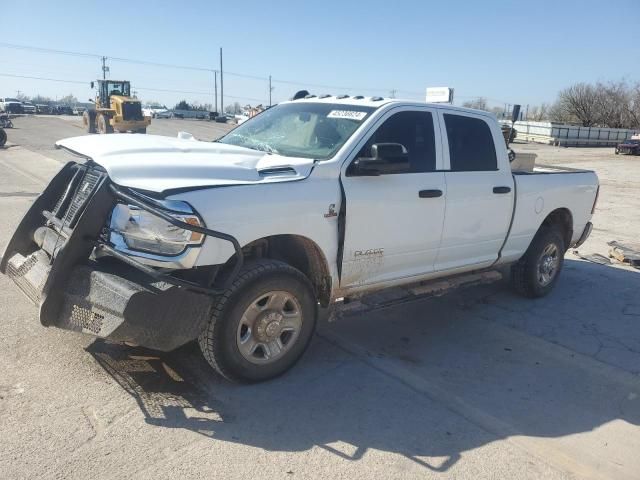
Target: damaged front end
(66, 257)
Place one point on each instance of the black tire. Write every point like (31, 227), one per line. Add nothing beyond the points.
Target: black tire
(3, 137)
(89, 121)
(617, 152)
(103, 124)
(142, 130)
(526, 273)
(218, 341)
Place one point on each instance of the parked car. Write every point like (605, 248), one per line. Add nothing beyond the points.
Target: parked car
(165, 114)
(197, 114)
(323, 199)
(630, 146)
(78, 110)
(28, 107)
(153, 110)
(42, 108)
(62, 110)
(241, 118)
(11, 105)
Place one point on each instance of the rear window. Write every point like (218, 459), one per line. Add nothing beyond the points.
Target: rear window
(471, 146)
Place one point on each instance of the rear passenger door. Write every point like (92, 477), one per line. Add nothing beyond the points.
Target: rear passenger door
(480, 194)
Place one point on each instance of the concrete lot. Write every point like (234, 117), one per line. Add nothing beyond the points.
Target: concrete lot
(476, 384)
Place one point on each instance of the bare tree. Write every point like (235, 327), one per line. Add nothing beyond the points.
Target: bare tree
(611, 102)
(538, 113)
(479, 103)
(69, 100)
(577, 102)
(39, 99)
(633, 109)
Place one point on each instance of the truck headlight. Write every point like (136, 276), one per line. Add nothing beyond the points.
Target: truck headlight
(146, 232)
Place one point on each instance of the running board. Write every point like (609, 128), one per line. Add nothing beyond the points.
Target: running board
(411, 292)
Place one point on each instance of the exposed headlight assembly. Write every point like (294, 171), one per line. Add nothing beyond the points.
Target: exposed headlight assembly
(145, 232)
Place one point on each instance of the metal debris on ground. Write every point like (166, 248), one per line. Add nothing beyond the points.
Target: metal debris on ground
(594, 258)
(626, 253)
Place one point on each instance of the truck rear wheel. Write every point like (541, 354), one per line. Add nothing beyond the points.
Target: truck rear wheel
(89, 121)
(536, 273)
(262, 324)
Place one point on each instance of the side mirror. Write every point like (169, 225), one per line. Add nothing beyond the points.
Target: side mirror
(92, 85)
(512, 156)
(385, 158)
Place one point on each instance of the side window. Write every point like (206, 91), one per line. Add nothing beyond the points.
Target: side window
(471, 146)
(414, 130)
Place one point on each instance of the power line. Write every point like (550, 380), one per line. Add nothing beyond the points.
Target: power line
(152, 89)
(43, 78)
(183, 67)
(235, 74)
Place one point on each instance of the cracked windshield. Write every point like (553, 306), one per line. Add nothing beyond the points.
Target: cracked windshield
(310, 130)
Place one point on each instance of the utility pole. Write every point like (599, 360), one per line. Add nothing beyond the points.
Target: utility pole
(526, 115)
(215, 90)
(392, 93)
(105, 69)
(221, 85)
(270, 90)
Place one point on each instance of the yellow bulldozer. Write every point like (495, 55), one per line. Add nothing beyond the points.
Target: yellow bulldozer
(115, 109)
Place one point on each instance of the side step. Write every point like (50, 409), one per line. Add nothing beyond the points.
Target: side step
(416, 291)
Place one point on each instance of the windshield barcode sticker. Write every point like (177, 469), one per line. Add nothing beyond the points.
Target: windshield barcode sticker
(350, 114)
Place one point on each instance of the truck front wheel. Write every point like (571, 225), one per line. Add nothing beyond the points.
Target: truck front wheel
(89, 121)
(103, 124)
(262, 324)
(536, 273)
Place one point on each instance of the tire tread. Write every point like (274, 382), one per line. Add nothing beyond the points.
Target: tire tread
(208, 338)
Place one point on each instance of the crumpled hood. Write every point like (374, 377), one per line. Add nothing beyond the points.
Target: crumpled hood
(157, 164)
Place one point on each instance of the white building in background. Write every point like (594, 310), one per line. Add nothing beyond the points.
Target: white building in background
(566, 135)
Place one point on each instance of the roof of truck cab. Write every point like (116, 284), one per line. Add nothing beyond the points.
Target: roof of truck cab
(377, 102)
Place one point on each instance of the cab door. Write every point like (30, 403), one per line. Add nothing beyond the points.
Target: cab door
(480, 192)
(393, 222)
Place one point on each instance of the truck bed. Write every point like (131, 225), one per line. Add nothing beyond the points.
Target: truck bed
(542, 191)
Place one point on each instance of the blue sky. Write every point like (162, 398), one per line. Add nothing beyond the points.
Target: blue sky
(507, 51)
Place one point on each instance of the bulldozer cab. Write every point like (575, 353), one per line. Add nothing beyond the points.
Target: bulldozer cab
(107, 88)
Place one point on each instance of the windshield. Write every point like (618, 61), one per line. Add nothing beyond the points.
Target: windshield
(117, 88)
(635, 142)
(305, 129)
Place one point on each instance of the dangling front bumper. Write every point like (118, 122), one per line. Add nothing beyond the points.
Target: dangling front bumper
(53, 258)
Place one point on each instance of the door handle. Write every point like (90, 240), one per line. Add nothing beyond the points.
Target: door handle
(501, 189)
(430, 193)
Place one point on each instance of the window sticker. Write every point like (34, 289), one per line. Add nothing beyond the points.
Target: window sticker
(348, 114)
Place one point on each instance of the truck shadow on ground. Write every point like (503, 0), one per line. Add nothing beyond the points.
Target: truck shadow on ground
(461, 343)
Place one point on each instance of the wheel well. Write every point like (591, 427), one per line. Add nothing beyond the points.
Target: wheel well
(299, 252)
(562, 218)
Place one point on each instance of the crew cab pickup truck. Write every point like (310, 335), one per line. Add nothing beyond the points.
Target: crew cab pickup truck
(160, 241)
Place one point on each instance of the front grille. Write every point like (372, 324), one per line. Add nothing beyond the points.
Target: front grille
(132, 111)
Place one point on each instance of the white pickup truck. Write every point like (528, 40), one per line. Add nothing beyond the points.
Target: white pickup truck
(160, 241)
